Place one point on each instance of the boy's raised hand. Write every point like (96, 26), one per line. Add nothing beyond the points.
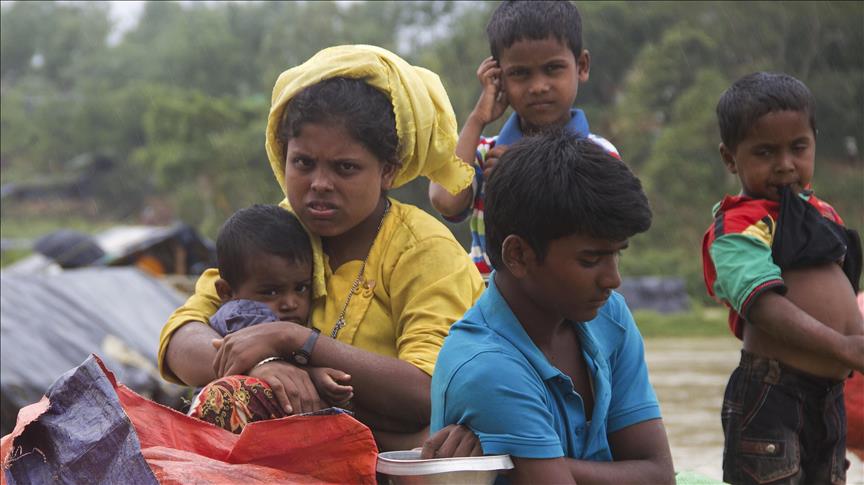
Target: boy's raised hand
(490, 107)
(332, 385)
(493, 100)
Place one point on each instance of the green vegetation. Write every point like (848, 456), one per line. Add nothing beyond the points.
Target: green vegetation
(698, 322)
(28, 228)
(35, 227)
(180, 101)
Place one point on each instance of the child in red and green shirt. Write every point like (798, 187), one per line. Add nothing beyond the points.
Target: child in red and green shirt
(788, 270)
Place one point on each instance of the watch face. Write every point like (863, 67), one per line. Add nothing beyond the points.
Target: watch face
(301, 358)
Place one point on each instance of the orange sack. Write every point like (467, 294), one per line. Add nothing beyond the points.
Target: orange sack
(854, 395)
(311, 449)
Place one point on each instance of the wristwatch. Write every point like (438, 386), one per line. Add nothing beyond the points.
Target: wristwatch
(303, 355)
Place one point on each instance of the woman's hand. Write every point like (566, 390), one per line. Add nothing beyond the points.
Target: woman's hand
(291, 386)
(238, 352)
(453, 440)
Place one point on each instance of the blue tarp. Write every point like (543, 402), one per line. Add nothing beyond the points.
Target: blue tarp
(51, 323)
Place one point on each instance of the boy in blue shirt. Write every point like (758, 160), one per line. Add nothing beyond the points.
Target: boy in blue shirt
(536, 66)
(548, 366)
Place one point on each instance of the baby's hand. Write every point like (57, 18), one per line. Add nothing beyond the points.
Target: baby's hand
(332, 385)
(493, 101)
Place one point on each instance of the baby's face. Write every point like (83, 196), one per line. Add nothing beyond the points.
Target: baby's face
(779, 150)
(284, 285)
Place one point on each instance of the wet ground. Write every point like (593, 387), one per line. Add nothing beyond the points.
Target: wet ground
(689, 376)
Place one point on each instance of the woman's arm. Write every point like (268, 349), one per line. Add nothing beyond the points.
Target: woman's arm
(191, 352)
(388, 386)
(431, 285)
(195, 313)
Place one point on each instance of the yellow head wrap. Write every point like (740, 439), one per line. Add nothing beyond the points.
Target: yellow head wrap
(425, 122)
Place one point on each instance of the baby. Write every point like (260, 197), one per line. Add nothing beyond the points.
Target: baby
(265, 268)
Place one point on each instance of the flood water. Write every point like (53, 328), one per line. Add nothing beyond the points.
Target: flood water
(689, 376)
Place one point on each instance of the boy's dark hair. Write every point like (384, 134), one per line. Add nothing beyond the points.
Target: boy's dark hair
(756, 95)
(365, 112)
(249, 232)
(552, 185)
(516, 20)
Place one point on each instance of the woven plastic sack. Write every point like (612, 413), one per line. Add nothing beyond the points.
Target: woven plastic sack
(90, 429)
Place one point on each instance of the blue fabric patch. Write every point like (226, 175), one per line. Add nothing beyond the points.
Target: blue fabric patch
(238, 314)
(83, 437)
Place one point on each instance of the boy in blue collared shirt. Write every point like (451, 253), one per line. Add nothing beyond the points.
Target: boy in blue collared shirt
(548, 366)
(536, 66)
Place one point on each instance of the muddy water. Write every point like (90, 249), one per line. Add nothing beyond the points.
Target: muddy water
(689, 376)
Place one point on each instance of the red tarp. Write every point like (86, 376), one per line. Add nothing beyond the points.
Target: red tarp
(854, 393)
(182, 450)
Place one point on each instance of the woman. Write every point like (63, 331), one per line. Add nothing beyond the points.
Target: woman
(388, 279)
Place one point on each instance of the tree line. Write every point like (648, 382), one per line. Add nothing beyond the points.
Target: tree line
(180, 100)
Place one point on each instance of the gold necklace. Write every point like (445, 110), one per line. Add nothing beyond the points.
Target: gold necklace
(340, 322)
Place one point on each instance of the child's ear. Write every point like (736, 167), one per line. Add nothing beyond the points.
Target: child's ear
(517, 255)
(728, 158)
(223, 289)
(583, 65)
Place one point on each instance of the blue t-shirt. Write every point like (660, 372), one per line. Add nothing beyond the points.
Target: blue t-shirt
(492, 378)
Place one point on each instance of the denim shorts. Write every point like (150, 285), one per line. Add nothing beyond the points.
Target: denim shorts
(782, 426)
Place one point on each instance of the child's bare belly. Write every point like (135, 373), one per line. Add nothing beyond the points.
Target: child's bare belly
(824, 293)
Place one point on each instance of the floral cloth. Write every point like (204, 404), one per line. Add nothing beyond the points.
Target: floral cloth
(234, 401)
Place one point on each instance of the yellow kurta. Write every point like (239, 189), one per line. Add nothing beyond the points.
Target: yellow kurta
(418, 281)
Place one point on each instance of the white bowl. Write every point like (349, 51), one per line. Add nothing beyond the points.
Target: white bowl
(406, 468)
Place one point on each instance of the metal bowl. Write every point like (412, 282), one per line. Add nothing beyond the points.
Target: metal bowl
(406, 468)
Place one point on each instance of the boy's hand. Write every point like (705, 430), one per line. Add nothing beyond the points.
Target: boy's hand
(450, 441)
(855, 352)
(492, 159)
(332, 385)
(493, 101)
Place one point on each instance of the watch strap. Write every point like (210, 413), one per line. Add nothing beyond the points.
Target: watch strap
(303, 355)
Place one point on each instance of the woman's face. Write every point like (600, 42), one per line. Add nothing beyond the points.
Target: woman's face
(334, 183)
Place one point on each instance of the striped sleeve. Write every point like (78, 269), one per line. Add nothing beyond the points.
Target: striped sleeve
(483, 148)
(744, 266)
(605, 144)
